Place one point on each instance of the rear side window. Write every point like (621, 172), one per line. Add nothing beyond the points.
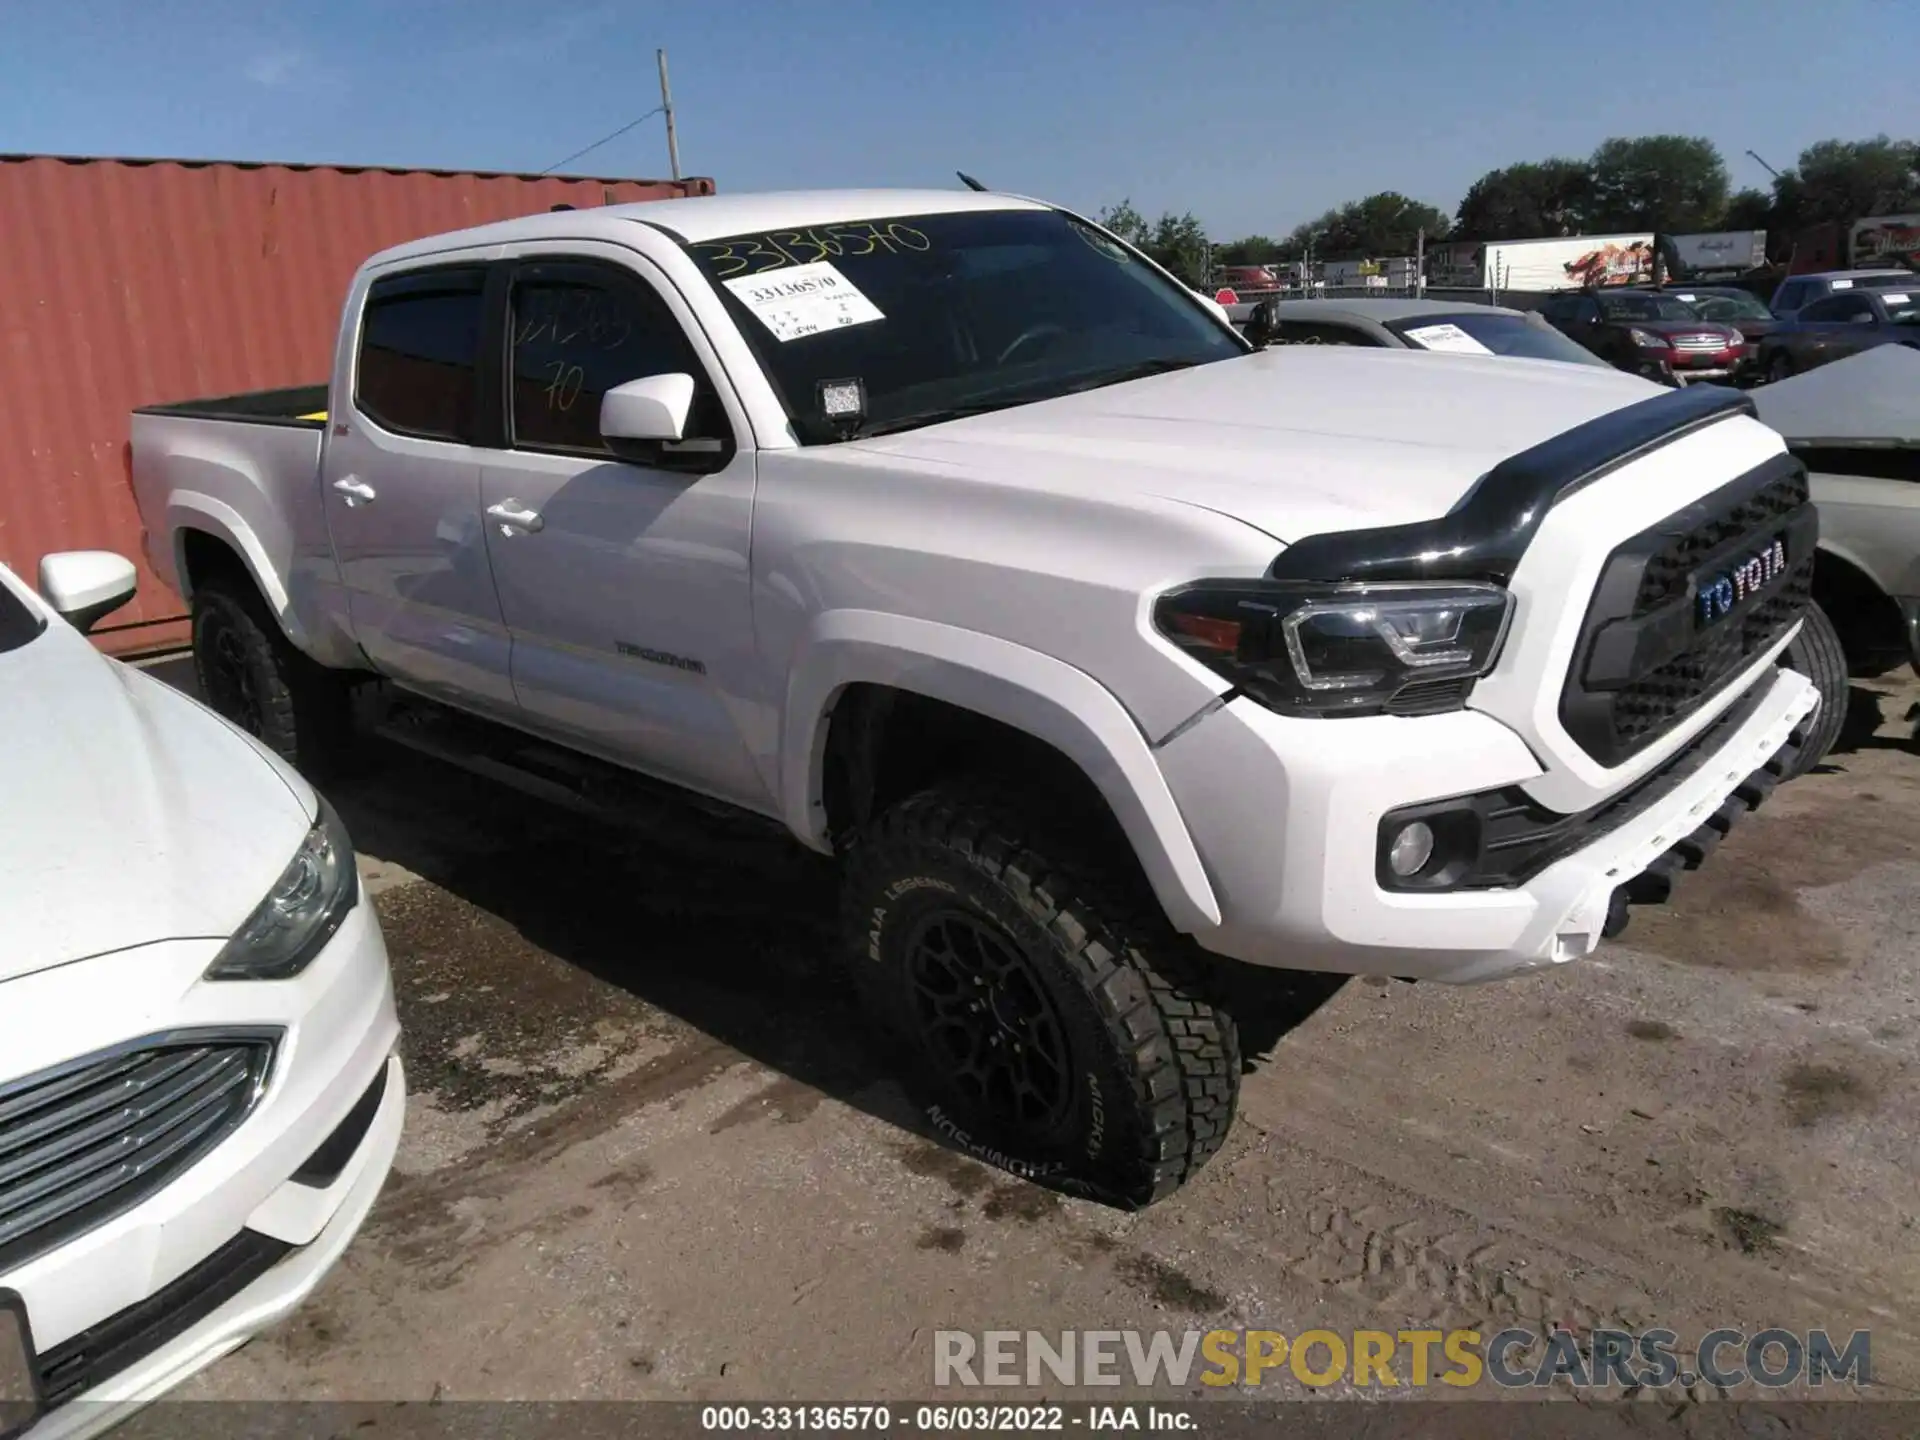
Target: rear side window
(419, 353)
(577, 331)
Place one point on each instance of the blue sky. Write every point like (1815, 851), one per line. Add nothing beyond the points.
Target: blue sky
(1253, 115)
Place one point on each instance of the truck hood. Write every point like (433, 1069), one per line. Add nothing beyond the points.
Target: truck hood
(133, 814)
(1294, 441)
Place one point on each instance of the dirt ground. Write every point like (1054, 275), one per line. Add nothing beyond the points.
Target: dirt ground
(648, 1155)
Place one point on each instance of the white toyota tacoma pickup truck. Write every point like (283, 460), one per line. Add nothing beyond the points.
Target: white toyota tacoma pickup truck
(1112, 658)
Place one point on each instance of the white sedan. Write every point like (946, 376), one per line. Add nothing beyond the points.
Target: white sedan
(200, 1094)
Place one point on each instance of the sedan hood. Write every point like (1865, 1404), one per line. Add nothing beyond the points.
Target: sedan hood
(132, 813)
(1295, 441)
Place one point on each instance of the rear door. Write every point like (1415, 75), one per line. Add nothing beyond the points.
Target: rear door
(402, 489)
(624, 582)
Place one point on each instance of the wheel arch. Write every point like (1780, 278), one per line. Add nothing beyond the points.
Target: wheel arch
(1048, 702)
(210, 535)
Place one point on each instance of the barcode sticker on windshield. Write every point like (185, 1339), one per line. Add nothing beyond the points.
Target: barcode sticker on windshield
(1446, 337)
(1896, 299)
(803, 300)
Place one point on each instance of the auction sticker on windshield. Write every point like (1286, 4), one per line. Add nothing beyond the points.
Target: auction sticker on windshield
(804, 300)
(1446, 337)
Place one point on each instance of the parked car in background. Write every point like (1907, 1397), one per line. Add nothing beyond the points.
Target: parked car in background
(1443, 326)
(1651, 333)
(1842, 325)
(200, 1094)
(1796, 292)
(1729, 305)
(954, 536)
(1856, 426)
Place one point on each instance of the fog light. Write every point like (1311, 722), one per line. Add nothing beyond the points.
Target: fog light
(1411, 849)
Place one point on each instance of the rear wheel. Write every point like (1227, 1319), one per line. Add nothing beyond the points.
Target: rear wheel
(1815, 652)
(1048, 1016)
(249, 672)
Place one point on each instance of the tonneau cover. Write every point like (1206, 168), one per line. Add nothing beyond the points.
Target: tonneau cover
(1872, 398)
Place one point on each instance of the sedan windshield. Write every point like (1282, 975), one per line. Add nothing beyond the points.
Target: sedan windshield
(885, 325)
(1488, 332)
(18, 624)
(1727, 307)
(1646, 307)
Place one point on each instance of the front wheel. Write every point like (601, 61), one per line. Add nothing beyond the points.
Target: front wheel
(1047, 1013)
(1779, 368)
(250, 673)
(1817, 654)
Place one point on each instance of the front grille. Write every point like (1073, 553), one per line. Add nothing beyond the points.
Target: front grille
(1669, 567)
(1648, 655)
(1702, 342)
(80, 1363)
(91, 1139)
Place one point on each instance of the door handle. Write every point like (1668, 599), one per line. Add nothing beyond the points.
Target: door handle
(358, 492)
(512, 517)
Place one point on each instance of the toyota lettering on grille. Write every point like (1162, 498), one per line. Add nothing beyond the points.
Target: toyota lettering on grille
(1724, 589)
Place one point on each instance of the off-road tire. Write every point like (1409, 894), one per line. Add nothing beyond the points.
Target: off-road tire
(1155, 1066)
(298, 709)
(1816, 653)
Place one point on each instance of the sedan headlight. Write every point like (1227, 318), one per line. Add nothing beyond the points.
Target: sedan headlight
(307, 904)
(1647, 340)
(1324, 650)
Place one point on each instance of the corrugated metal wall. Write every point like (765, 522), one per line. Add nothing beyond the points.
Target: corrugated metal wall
(127, 283)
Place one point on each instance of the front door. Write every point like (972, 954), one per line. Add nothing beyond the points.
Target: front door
(402, 491)
(625, 584)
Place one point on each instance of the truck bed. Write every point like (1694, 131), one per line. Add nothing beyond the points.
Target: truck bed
(303, 405)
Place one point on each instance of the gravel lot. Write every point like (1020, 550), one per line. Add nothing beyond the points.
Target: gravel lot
(649, 1156)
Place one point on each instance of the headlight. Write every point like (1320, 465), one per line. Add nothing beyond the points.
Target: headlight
(300, 914)
(1321, 650)
(1646, 339)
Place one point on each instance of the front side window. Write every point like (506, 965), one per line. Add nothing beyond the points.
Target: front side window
(18, 624)
(575, 332)
(1837, 308)
(419, 353)
(1789, 295)
(942, 315)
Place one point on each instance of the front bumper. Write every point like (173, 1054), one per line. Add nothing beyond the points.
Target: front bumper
(337, 1036)
(1286, 816)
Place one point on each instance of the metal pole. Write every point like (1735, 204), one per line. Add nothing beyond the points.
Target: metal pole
(1420, 262)
(666, 104)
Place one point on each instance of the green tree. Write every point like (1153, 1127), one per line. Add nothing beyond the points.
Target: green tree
(1528, 200)
(1379, 225)
(1248, 250)
(1845, 180)
(1658, 182)
(1748, 210)
(1179, 243)
(1126, 222)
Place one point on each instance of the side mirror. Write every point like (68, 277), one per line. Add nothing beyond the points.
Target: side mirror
(654, 407)
(83, 586)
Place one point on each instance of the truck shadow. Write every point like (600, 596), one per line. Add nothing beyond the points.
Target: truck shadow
(725, 926)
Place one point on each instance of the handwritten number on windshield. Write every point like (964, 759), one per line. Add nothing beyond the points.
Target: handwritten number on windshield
(754, 254)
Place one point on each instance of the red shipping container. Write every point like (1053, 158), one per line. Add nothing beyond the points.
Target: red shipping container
(136, 282)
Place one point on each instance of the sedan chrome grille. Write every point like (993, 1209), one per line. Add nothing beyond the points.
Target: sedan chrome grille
(90, 1139)
(1702, 342)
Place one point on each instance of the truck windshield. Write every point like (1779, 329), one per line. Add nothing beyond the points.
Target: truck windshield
(1646, 307)
(940, 316)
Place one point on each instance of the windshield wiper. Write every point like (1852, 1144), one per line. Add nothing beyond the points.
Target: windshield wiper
(867, 429)
(1139, 370)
